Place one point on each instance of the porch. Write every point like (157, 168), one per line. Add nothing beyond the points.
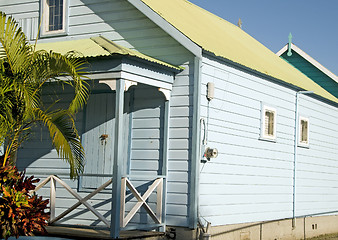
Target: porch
(125, 131)
(101, 232)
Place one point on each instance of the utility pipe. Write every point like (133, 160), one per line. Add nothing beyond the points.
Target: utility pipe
(295, 156)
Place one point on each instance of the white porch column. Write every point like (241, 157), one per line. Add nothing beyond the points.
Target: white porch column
(164, 170)
(118, 160)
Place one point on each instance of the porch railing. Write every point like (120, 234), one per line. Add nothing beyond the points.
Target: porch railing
(141, 201)
(125, 183)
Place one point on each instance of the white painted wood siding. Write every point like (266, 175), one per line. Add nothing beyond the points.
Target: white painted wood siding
(251, 179)
(317, 166)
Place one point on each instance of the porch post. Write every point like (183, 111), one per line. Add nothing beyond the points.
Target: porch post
(118, 160)
(165, 160)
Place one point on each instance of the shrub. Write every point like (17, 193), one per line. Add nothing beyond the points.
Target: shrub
(20, 212)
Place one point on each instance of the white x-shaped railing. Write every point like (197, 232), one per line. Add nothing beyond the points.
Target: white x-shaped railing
(158, 185)
(125, 183)
(53, 179)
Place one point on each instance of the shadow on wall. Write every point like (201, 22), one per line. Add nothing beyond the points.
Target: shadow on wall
(144, 102)
(119, 20)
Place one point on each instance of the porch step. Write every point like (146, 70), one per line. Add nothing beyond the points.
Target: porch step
(87, 233)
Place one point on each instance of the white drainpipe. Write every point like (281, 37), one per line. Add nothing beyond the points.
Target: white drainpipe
(295, 156)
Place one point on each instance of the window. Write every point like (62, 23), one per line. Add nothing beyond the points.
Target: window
(54, 14)
(303, 137)
(268, 118)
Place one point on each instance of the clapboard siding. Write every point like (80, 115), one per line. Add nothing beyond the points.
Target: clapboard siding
(147, 119)
(117, 20)
(257, 175)
(247, 167)
(19, 8)
(180, 133)
(317, 168)
(147, 142)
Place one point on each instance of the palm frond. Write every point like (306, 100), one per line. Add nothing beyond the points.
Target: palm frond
(14, 45)
(68, 69)
(23, 73)
(65, 138)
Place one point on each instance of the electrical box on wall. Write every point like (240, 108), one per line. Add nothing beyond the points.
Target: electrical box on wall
(210, 91)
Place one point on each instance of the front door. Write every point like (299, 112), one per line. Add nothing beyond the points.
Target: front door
(98, 139)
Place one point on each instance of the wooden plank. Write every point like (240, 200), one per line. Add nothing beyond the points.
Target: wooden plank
(20, 8)
(159, 202)
(123, 203)
(43, 183)
(142, 201)
(89, 196)
(52, 198)
(71, 191)
(244, 189)
(243, 198)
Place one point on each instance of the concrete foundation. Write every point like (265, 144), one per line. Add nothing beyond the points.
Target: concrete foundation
(305, 228)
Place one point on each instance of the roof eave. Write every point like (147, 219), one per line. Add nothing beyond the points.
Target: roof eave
(310, 60)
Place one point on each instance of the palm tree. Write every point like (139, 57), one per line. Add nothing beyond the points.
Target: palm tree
(23, 73)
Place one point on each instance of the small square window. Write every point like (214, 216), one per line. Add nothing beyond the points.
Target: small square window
(268, 119)
(54, 14)
(303, 137)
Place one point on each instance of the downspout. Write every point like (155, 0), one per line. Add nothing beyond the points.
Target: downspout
(295, 145)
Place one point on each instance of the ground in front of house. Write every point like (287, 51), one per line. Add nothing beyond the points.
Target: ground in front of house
(326, 237)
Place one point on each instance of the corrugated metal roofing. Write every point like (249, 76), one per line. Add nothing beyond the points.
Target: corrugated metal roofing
(95, 47)
(87, 47)
(226, 40)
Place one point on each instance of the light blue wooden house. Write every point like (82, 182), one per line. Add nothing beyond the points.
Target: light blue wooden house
(190, 123)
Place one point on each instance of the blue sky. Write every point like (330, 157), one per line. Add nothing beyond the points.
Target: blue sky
(313, 24)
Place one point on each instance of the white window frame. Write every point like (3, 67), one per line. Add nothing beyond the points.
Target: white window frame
(264, 136)
(45, 32)
(300, 131)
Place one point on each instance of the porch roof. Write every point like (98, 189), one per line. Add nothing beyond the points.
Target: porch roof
(97, 47)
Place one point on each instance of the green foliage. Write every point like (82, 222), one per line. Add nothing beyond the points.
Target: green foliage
(23, 73)
(20, 212)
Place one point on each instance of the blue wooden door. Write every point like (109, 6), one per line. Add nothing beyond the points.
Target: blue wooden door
(98, 139)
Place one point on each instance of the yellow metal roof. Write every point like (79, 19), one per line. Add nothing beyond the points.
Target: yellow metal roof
(226, 40)
(95, 47)
(87, 47)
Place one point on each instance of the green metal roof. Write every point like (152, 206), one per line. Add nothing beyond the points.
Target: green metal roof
(96, 47)
(226, 40)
